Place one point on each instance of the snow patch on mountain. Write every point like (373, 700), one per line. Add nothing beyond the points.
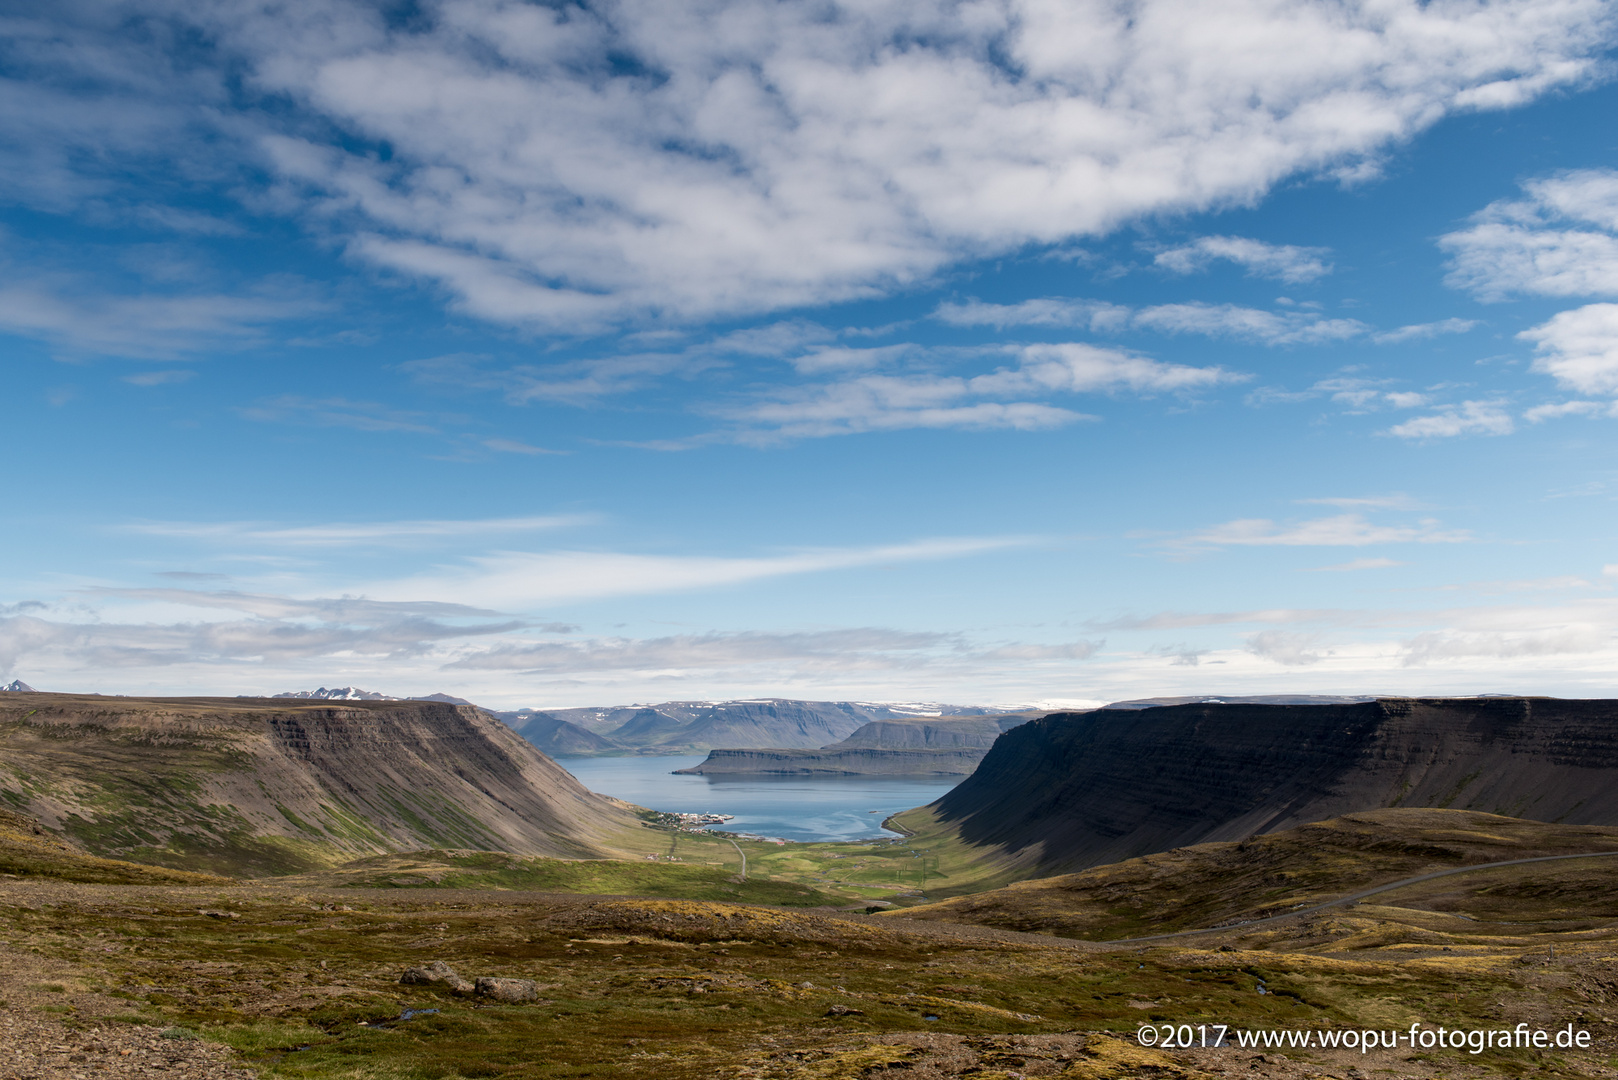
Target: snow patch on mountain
(341, 693)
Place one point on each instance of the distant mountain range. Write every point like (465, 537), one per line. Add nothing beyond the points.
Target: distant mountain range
(682, 727)
(914, 746)
(17, 686)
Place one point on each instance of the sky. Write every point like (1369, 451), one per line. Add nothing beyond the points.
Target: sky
(986, 353)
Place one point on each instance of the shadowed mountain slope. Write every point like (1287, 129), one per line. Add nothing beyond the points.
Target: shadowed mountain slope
(1070, 791)
(559, 738)
(1214, 884)
(244, 785)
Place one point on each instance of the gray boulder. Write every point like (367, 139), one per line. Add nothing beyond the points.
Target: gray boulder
(510, 991)
(437, 973)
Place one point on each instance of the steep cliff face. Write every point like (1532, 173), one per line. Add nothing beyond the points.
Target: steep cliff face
(1071, 791)
(256, 786)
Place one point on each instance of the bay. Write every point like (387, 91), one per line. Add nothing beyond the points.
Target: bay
(807, 808)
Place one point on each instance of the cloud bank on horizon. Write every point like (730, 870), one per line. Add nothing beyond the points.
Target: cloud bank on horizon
(881, 350)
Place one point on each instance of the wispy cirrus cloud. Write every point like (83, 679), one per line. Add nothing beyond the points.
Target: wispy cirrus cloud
(1395, 501)
(1051, 311)
(345, 609)
(78, 315)
(1358, 393)
(1291, 327)
(1014, 396)
(233, 642)
(1422, 331)
(535, 579)
(1357, 564)
(844, 650)
(1557, 410)
(1284, 262)
(339, 534)
(1341, 530)
(1248, 324)
(372, 416)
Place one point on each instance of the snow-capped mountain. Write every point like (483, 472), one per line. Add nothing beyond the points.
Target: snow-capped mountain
(341, 693)
(17, 686)
(354, 693)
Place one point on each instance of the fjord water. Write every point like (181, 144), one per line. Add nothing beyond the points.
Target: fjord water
(789, 807)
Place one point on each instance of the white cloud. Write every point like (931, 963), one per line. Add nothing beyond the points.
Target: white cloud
(337, 534)
(1285, 262)
(1361, 395)
(888, 402)
(1424, 330)
(573, 166)
(159, 378)
(1359, 564)
(866, 647)
(520, 580)
(1540, 413)
(1525, 246)
(1366, 394)
(1440, 646)
(1579, 348)
(345, 609)
(1287, 649)
(1249, 324)
(515, 446)
(76, 315)
(1098, 315)
(1342, 530)
(1468, 418)
(1212, 320)
(1369, 502)
(574, 382)
(258, 641)
(369, 416)
(1183, 620)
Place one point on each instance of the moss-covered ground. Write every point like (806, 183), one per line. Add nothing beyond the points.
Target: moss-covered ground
(306, 985)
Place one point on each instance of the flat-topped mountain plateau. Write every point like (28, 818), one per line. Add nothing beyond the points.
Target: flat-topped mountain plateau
(908, 746)
(1070, 791)
(245, 786)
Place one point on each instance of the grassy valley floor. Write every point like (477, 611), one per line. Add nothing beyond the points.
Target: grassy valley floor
(110, 969)
(304, 983)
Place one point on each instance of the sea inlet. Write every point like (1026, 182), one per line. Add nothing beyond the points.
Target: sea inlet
(785, 807)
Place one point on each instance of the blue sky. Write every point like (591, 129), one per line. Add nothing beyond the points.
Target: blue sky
(1005, 352)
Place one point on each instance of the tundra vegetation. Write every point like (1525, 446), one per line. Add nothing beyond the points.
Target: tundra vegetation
(656, 958)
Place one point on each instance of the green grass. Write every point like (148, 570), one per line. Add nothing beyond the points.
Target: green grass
(622, 877)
